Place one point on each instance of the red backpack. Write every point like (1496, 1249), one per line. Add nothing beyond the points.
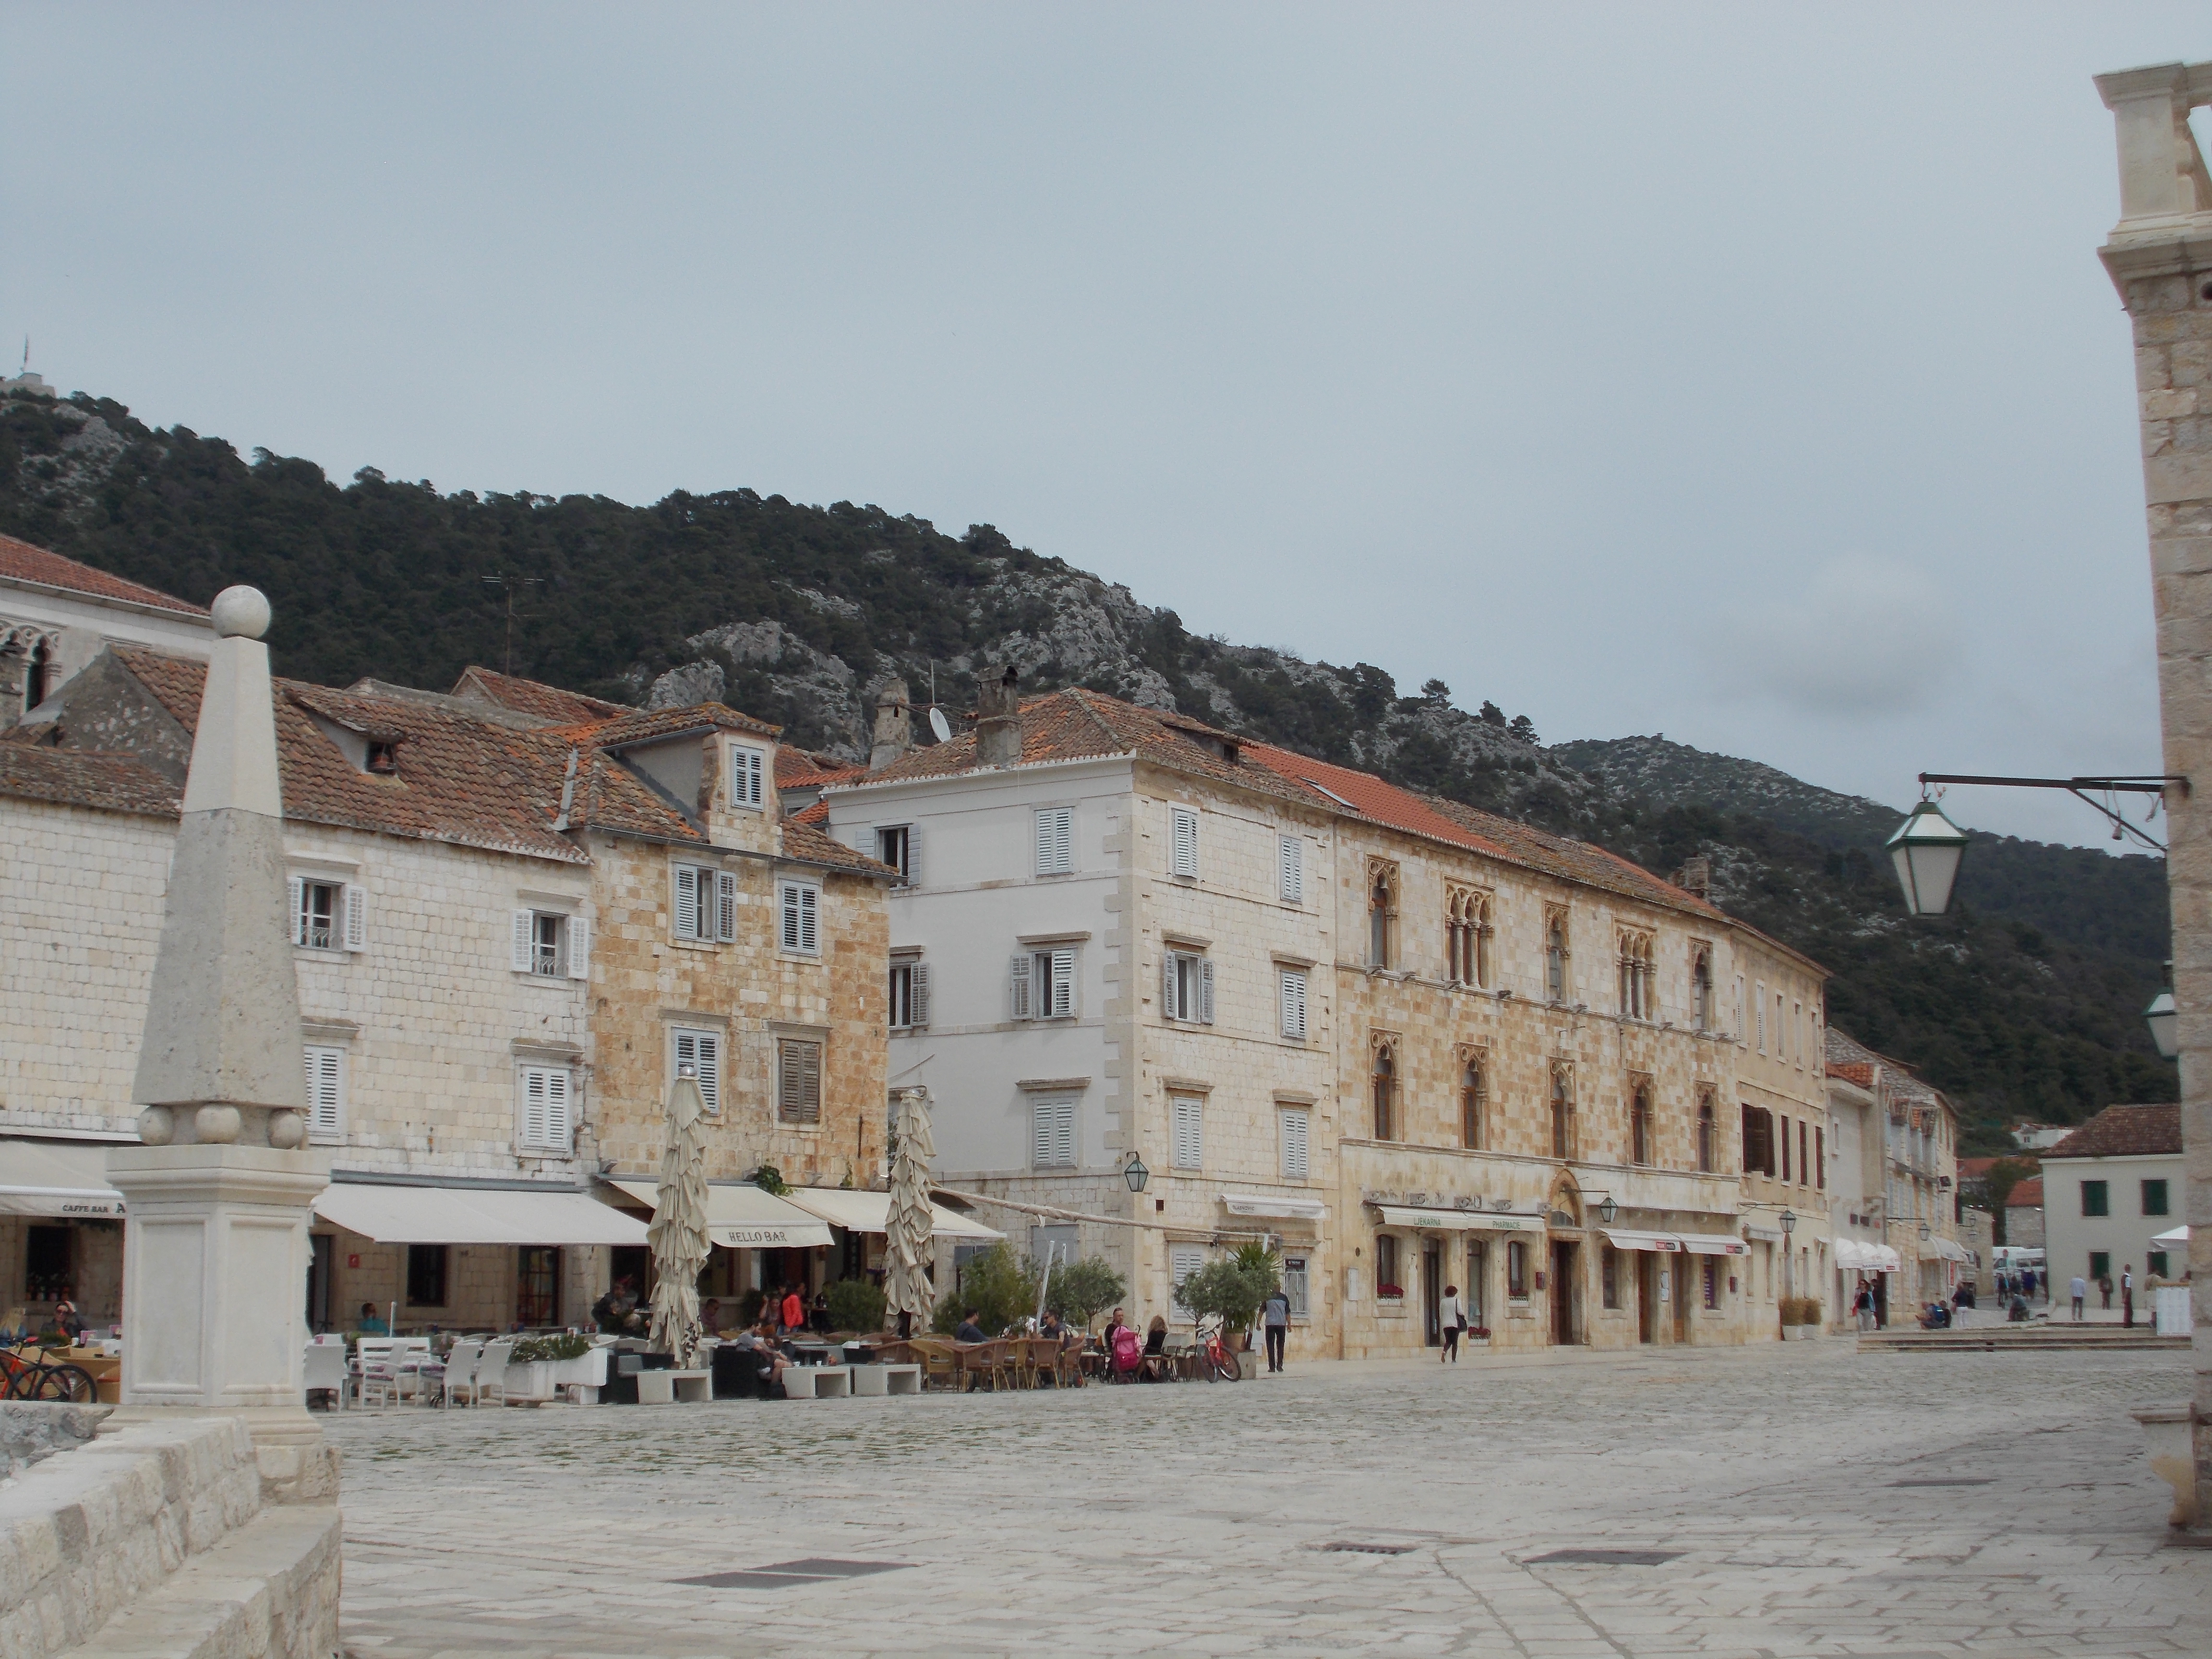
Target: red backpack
(1127, 1350)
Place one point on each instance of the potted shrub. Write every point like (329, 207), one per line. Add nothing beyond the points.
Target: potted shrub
(534, 1369)
(1800, 1318)
(1232, 1291)
(856, 1305)
(1081, 1291)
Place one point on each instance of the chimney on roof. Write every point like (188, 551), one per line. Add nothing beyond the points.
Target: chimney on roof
(894, 725)
(1696, 877)
(999, 720)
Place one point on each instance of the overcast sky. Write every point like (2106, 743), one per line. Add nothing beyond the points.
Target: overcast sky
(1745, 374)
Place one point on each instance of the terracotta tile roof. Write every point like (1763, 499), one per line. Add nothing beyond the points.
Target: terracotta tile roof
(2026, 1194)
(1858, 1072)
(644, 724)
(549, 702)
(2124, 1132)
(816, 814)
(112, 783)
(24, 562)
(804, 839)
(796, 768)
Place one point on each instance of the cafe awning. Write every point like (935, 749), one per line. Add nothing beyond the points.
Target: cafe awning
(1952, 1252)
(57, 1178)
(473, 1215)
(1858, 1255)
(741, 1216)
(1288, 1205)
(2173, 1239)
(1458, 1221)
(1713, 1244)
(1624, 1238)
(858, 1210)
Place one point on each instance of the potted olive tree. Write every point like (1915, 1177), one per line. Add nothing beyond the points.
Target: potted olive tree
(1233, 1291)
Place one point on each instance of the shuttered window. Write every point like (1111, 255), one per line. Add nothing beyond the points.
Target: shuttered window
(328, 915)
(1184, 854)
(746, 766)
(1052, 1123)
(550, 946)
(799, 902)
(1183, 1261)
(1293, 870)
(1187, 987)
(1040, 985)
(1055, 841)
(798, 1080)
(1294, 1003)
(1189, 1115)
(909, 995)
(326, 1092)
(702, 1051)
(548, 1124)
(895, 844)
(1297, 1129)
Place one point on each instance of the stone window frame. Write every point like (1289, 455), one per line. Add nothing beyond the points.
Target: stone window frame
(1558, 955)
(1702, 984)
(1643, 1120)
(1474, 1125)
(1386, 1081)
(1638, 987)
(1380, 898)
(1708, 1133)
(1563, 1140)
(1467, 933)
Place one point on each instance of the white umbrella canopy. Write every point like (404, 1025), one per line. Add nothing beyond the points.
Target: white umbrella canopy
(679, 1232)
(907, 1250)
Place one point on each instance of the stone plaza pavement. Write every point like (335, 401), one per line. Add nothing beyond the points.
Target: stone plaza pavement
(1800, 1489)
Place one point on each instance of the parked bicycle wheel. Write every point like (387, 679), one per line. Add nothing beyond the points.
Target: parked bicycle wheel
(1225, 1368)
(70, 1384)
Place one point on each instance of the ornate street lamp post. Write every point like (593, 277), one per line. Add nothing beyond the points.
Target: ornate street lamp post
(1926, 850)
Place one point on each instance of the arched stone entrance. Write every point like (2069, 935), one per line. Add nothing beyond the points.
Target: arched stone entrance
(1563, 1283)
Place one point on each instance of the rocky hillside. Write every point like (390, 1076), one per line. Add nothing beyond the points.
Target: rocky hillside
(2024, 1003)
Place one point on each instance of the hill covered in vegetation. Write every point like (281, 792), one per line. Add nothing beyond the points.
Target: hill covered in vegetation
(2024, 1003)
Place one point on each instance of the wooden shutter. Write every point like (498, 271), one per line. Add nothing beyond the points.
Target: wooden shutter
(745, 776)
(1055, 841)
(1294, 1005)
(918, 993)
(703, 1052)
(1183, 1261)
(687, 901)
(1189, 1132)
(579, 948)
(1297, 1130)
(535, 1089)
(1052, 1123)
(1205, 990)
(810, 904)
(1017, 987)
(1186, 842)
(297, 929)
(524, 940)
(1168, 1008)
(913, 871)
(558, 1126)
(788, 915)
(725, 905)
(1063, 984)
(356, 916)
(1293, 869)
(325, 1090)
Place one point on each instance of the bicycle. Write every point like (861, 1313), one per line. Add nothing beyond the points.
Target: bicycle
(1215, 1363)
(40, 1378)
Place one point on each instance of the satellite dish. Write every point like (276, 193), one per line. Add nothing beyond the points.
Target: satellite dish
(941, 725)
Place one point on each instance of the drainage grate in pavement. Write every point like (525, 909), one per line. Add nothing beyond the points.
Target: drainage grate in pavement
(1342, 1548)
(1604, 1558)
(783, 1575)
(1947, 1480)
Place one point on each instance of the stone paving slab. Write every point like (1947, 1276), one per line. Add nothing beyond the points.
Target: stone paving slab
(1189, 1519)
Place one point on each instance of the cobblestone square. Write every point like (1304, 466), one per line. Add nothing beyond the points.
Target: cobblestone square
(1797, 1491)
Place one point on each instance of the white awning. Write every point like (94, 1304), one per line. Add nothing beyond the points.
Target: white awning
(1713, 1244)
(862, 1211)
(1764, 1234)
(1951, 1252)
(742, 1217)
(1287, 1205)
(1458, 1221)
(1622, 1238)
(1858, 1255)
(2173, 1240)
(1849, 1255)
(55, 1178)
(473, 1215)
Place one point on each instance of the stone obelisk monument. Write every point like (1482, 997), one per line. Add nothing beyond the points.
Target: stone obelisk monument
(217, 1198)
(2159, 256)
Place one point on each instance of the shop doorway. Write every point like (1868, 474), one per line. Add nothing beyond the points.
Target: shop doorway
(1648, 1281)
(537, 1285)
(1684, 1270)
(1478, 1284)
(1432, 1284)
(320, 1246)
(1563, 1293)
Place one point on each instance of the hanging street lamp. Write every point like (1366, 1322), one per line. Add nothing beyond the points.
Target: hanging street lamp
(2165, 1019)
(1926, 850)
(1927, 1232)
(1789, 1223)
(1608, 1211)
(1136, 1175)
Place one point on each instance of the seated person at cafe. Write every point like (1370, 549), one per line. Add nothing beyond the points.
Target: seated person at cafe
(759, 1349)
(970, 1331)
(372, 1324)
(1117, 1323)
(710, 1317)
(617, 1312)
(1156, 1348)
(1049, 1326)
(793, 1314)
(819, 1316)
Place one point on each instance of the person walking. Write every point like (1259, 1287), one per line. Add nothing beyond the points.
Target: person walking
(2079, 1290)
(2127, 1294)
(1454, 1314)
(2104, 1290)
(1863, 1304)
(1962, 1302)
(1275, 1322)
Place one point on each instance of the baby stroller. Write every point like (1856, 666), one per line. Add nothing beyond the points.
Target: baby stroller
(1126, 1358)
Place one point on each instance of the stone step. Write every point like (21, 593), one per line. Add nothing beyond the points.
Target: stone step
(2012, 1339)
(269, 1591)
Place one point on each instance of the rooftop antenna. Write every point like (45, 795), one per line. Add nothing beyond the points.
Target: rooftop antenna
(27, 356)
(510, 583)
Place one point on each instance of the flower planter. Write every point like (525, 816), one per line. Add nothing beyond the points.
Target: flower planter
(582, 1378)
(1799, 1332)
(529, 1384)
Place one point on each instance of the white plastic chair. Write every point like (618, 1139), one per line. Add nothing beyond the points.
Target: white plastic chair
(460, 1372)
(375, 1370)
(492, 1369)
(326, 1369)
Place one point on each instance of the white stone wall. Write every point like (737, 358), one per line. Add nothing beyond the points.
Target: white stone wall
(2070, 1237)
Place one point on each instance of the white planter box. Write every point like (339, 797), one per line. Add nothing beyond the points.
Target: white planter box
(586, 1370)
(532, 1382)
(1799, 1332)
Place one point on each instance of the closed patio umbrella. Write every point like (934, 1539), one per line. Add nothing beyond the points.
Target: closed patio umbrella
(679, 1232)
(907, 1250)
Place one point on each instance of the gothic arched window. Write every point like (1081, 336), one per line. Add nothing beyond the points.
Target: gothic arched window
(1474, 1100)
(1563, 1113)
(1555, 959)
(1639, 1125)
(1386, 1088)
(1701, 987)
(1707, 1141)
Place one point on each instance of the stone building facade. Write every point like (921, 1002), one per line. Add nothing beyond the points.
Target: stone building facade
(56, 616)
(1410, 1044)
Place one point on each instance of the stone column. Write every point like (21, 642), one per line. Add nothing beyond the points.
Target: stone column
(217, 1198)
(2159, 256)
